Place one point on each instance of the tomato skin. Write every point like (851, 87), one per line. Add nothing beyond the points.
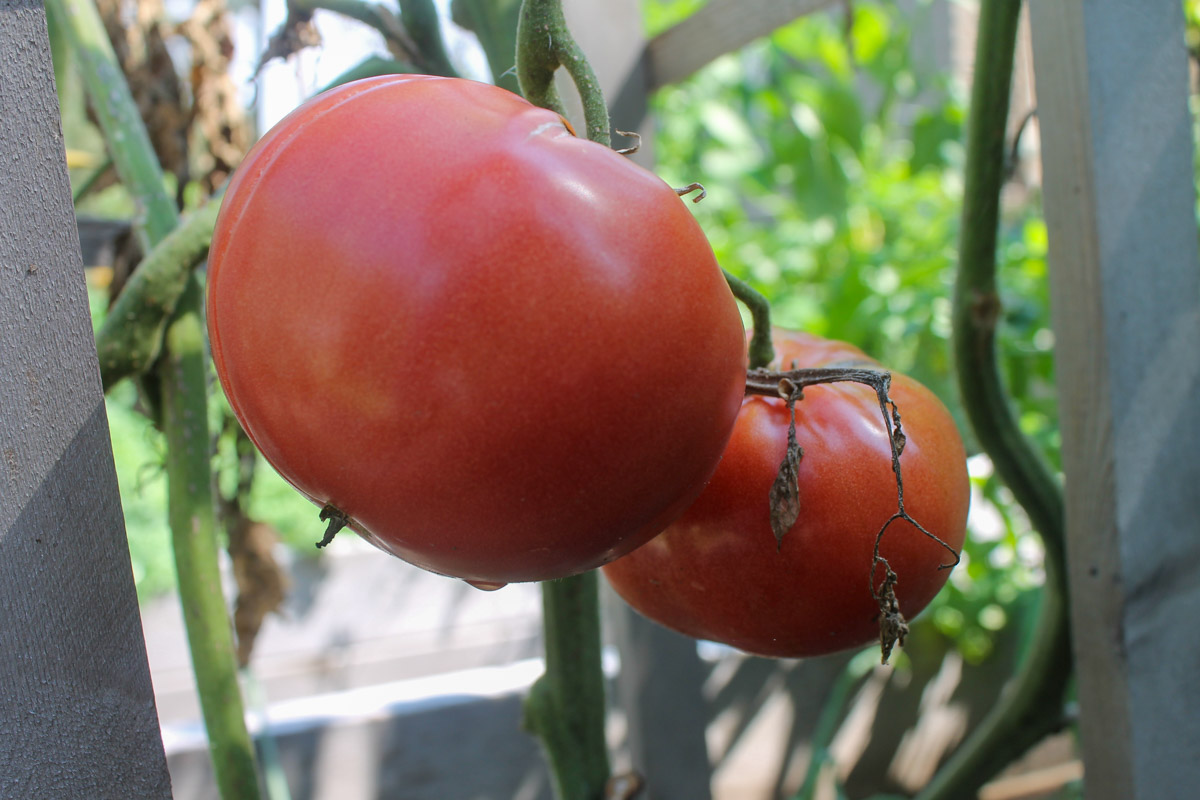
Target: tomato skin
(506, 353)
(716, 572)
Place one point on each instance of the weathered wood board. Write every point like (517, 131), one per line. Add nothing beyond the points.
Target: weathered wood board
(77, 716)
(1112, 86)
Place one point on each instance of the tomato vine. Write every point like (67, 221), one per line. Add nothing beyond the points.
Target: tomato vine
(785, 510)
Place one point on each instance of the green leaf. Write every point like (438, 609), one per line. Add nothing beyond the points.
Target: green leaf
(870, 32)
(930, 133)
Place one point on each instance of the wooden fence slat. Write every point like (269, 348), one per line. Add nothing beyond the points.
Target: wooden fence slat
(1120, 206)
(77, 715)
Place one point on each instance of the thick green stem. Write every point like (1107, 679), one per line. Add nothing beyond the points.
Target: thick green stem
(185, 412)
(543, 45)
(762, 351)
(420, 18)
(194, 537)
(1032, 706)
(565, 707)
(130, 339)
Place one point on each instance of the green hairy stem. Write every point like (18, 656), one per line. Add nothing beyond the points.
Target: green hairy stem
(543, 45)
(131, 336)
(1032, 705)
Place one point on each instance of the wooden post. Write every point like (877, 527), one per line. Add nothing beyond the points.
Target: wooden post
(1112, 86)
(77, 716)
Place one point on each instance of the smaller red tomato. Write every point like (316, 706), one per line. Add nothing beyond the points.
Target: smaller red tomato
(718, 573)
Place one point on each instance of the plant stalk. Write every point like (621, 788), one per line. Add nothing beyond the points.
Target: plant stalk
(543, 45)
(762, 350)
(131, 336)
(194, 538)
(565, 707)
(1033, 703)
(124, 133)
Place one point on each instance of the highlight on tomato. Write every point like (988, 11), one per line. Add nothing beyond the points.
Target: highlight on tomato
(718, 573)
(505, 353)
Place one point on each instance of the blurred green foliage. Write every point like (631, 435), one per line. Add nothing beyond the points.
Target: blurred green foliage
(832, 155)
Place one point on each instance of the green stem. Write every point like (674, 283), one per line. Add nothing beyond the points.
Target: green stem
(273, 772)
(415, 36)
(85, 186)
(420, 18)
(183, 378)
(543, 45)
(494, 22)
(762, 351)
(194, 538)
(1032, 706)
(130, 338)
(565, 707)
(124, 132)
(373, 14)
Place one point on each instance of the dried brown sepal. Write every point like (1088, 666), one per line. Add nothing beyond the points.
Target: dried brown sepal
(893, 627)
(683, 191)
(261, 582)
(337, 520)
(785, 491)
(898, 436)
(633, 148)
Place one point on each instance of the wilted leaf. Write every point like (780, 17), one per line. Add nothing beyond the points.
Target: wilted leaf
(893, 627)
(785, 492)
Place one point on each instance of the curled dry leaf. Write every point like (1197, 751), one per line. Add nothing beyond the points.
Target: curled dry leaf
(893, 627)
(261, 582)
(785, 492)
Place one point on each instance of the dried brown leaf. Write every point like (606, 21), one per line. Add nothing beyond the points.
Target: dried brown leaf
(785, 492)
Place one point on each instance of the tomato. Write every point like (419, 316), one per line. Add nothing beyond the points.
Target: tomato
(504, 352)
(717, 572)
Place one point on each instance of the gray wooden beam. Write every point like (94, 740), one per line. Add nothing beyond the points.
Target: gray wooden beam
(1120, 205)
(77, 715)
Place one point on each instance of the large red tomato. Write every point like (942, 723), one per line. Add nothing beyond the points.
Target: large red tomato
(717, 573)
(506, 353)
